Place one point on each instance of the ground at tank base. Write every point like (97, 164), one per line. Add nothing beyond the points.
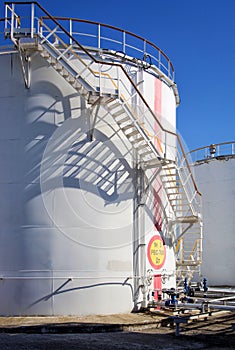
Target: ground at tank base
(142, 331)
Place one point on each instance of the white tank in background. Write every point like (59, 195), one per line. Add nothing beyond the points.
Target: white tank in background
(214, 169)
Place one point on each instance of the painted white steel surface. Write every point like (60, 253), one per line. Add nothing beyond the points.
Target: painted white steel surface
(162, 101)
(66, 203)
(216, 181)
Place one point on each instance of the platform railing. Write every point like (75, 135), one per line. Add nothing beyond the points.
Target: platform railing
(211, 151)
(99, 35)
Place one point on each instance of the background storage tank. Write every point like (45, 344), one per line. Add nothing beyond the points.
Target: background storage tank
(87, 142)
(214, 168)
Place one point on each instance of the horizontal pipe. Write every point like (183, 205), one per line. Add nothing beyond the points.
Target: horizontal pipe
(200, 306)
(222, 299)
(64, 277)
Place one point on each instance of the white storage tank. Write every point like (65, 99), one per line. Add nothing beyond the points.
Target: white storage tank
(84, 218)
(214, 168)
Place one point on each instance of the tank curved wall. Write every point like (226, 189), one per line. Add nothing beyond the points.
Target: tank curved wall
(68, 230)
(215, 179)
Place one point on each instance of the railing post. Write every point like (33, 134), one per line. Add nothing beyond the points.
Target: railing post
(124, 42)
(144, 48)
(165, 145)
(6, 16)
(159, 59)
(98, 37)
(32, 19)
(12, 20)
(70, 31)
(100, 79)
(118, 84)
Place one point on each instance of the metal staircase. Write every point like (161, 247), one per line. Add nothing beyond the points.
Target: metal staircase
(85, 73)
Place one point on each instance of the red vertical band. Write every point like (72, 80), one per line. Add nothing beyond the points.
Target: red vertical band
(157, 212)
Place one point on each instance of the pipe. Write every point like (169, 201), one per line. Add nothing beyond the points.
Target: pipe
(200, 306)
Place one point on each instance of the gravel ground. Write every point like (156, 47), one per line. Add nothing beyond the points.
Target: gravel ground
(214, 333)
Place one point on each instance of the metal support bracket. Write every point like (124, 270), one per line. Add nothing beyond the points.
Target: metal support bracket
(182, 233)
(25, 66)
(94, 110)
(145, 190)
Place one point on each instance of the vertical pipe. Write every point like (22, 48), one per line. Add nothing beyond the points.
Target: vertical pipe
(32, 19)
(142, 238)
(135, 240)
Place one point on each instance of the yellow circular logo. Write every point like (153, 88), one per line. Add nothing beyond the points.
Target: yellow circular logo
(156, 252)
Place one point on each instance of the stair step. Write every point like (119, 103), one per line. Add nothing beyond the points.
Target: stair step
(167, 167)
(124, 120)
(137, 140)
(58, 67)
(44, 54)
(127, 127)
(141, 147)
(163, 175)
(171, 188)
(109, 99)
(116, 114)
(113, 106)
(70, 79)
(152, 163)
(76, 85)
(51, 60)
(64, 73)
(175, 194)
(133, 133)
(145, 153)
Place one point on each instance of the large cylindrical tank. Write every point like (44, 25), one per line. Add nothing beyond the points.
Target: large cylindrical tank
(214, 168)
(73, 237)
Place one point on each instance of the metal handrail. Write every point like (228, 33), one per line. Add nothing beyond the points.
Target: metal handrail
(169, 69)
(127, 76)
(213, 150)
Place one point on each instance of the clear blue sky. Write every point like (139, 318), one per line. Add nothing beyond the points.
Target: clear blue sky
(199, 38)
